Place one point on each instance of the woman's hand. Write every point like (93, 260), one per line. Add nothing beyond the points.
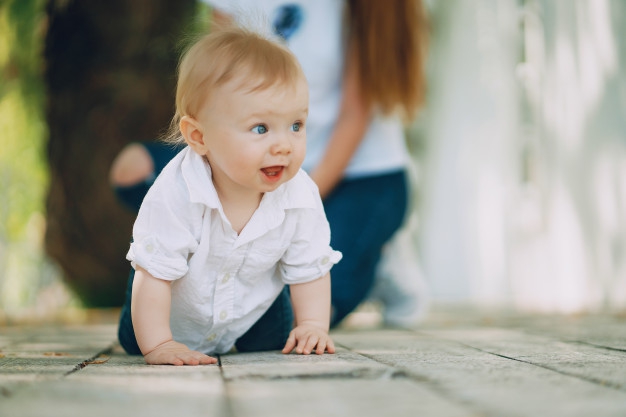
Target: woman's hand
(174, 353)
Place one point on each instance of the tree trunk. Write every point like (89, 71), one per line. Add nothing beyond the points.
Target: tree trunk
(110, 75)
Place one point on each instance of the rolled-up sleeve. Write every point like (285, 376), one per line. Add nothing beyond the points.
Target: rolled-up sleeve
(310, 255)
(164, 237)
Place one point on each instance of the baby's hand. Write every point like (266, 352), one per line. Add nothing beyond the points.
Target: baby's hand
(174, 353)
(306, 337)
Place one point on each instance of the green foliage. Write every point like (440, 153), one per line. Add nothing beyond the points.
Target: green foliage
(199, 25)
(22, 127)
(27, 278)
(25, 274)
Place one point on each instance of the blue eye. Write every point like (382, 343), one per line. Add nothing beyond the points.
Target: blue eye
(296, 127)
(260, 129)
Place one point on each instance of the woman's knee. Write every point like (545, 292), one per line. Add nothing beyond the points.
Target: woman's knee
(132, 165)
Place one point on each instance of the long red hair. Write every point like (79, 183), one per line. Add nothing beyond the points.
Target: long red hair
(390, 38)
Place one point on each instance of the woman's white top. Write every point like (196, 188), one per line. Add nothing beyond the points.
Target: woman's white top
(313, 32)
(224, 282)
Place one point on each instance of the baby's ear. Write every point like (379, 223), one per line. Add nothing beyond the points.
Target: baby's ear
(193, 134)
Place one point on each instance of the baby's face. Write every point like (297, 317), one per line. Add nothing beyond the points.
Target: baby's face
(255, 141)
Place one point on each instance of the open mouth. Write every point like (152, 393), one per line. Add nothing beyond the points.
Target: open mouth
(273, 173)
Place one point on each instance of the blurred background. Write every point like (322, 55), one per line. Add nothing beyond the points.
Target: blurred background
(520, 151)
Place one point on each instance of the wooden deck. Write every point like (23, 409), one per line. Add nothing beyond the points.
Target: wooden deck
(455, 364)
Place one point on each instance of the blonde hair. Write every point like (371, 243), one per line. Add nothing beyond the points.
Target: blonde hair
(229, 53)
(390, 39)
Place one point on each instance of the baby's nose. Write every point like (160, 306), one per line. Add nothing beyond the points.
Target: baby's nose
(282, 144)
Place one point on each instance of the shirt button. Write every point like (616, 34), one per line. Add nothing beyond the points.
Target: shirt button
(211, 337)
(324, 260)
(223, 315)
(226, 278)
(149, 248)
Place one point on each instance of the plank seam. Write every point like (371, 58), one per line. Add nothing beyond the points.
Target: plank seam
(431, 384)
(82, 365)
(597, 381)
(612, 349)
(226, 401)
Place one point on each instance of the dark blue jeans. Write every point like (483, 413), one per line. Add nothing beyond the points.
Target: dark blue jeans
(270, 332)
(363, 214)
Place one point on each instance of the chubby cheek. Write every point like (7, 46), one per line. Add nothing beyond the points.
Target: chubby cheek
(298, 154)
(245, 161)
(230, 160)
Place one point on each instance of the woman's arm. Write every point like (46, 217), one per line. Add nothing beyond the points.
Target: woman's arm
(311, 306)
(150, 311)
(352, 122)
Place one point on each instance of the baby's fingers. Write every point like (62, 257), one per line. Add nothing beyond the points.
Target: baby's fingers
(330, 346)
(321, 346)
(196, 358)
(325, 345)
(290, 344)
(307, 344)
(207, 360)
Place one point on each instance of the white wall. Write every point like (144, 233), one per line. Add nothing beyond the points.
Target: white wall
(523, 182)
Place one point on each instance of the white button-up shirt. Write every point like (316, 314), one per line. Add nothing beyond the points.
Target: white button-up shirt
(224, 282)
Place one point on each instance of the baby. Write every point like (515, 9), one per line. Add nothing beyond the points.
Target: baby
(232, 218)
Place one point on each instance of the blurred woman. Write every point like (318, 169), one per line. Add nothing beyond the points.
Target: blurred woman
(364, 62)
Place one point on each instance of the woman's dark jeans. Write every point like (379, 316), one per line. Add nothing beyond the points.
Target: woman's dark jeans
(363, 213)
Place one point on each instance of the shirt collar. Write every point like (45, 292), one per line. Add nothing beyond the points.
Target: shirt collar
(197, 175)
(296, 193)
(299, 192)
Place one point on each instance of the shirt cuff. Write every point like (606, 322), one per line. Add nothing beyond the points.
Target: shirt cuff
(147, 254)
(302, 274)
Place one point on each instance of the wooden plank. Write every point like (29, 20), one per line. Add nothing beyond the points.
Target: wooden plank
(110, 399)
(601, 366)
(596, 329)
(492, 384)
(62, 340)
(275, 365)
(601, 331)
(123, 385)
(343, 384)
(464, 367)
(34, 354)
(330, 397)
